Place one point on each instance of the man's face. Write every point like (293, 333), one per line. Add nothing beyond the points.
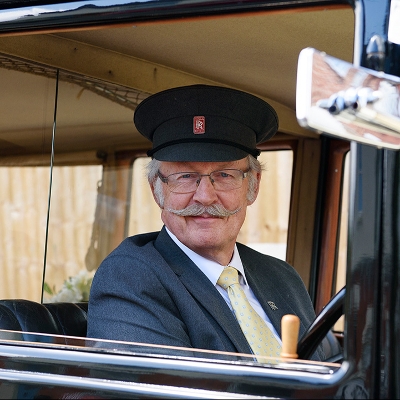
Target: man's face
(210, 236)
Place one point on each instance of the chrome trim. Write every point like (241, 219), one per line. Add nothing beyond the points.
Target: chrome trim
(115, 387)
(83, 14)
(175, 366)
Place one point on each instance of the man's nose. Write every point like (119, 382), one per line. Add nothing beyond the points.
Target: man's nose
(205, 192)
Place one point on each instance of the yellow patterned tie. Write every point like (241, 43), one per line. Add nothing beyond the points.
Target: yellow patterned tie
(260, 338)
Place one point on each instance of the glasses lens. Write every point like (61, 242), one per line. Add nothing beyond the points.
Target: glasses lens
(187, 182)
(227, 179)
(183, 182)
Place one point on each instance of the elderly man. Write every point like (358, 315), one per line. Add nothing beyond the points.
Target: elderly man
(181, 286)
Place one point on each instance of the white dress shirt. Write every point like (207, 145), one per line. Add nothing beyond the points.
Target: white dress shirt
(213, 270)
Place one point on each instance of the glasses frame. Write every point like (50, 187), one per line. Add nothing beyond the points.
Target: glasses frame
(164, 179)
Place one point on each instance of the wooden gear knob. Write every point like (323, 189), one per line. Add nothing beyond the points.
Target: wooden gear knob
(290, 325)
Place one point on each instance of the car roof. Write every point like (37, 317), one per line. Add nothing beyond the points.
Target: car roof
(252, 51)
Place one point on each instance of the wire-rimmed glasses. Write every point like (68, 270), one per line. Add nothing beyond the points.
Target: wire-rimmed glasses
(188, 182)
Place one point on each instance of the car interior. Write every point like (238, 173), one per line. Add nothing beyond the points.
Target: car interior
(72, 161)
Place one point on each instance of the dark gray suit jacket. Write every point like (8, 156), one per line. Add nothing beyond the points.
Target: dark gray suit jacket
(147, 290)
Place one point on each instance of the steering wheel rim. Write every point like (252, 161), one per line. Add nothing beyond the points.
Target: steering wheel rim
(321, 325)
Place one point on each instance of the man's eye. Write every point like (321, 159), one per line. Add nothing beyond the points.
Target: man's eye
(223, 174)
(187, 176)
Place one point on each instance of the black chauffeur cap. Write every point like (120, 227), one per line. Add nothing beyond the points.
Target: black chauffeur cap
(204, 123)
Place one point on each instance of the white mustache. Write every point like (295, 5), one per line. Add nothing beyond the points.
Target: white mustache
(216, 210)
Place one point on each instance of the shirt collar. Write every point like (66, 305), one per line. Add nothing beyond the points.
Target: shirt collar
(211, 268)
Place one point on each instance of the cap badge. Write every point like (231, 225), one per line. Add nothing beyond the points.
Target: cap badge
(199, 125)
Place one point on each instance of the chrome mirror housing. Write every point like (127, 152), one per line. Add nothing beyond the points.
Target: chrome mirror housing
(345, 101)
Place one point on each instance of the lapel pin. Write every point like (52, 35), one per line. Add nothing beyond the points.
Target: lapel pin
(272, 305)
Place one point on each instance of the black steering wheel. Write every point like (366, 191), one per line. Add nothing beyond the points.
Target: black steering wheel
(321, 326)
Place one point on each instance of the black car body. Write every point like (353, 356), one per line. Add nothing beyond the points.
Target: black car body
(43, 349)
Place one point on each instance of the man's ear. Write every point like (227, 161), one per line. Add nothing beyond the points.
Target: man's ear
(251, 199)
(156, 195)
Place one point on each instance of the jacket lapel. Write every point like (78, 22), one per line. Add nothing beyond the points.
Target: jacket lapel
(272, 300)
(269, 298)
(200, 287)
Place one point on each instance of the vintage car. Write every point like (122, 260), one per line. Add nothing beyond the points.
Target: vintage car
(73, 186)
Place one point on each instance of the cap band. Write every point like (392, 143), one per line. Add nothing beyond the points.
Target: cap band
(253, 152)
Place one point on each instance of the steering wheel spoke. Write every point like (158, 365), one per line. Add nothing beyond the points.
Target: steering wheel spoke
(322, 324)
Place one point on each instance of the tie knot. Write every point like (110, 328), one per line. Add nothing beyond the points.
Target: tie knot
(228, 277)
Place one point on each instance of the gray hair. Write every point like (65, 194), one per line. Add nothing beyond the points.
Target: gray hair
(154, 166)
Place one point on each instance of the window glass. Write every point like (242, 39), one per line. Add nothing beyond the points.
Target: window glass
(144, 215)
(71, 227)
(23, 217)
(85, 212)
(93, 203)
(341, 265)
(27, 105)
(23, 208)
(72, 215)
(394, 22)
(266, 226)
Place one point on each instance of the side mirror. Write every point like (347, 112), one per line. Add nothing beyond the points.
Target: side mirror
(345, 101)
